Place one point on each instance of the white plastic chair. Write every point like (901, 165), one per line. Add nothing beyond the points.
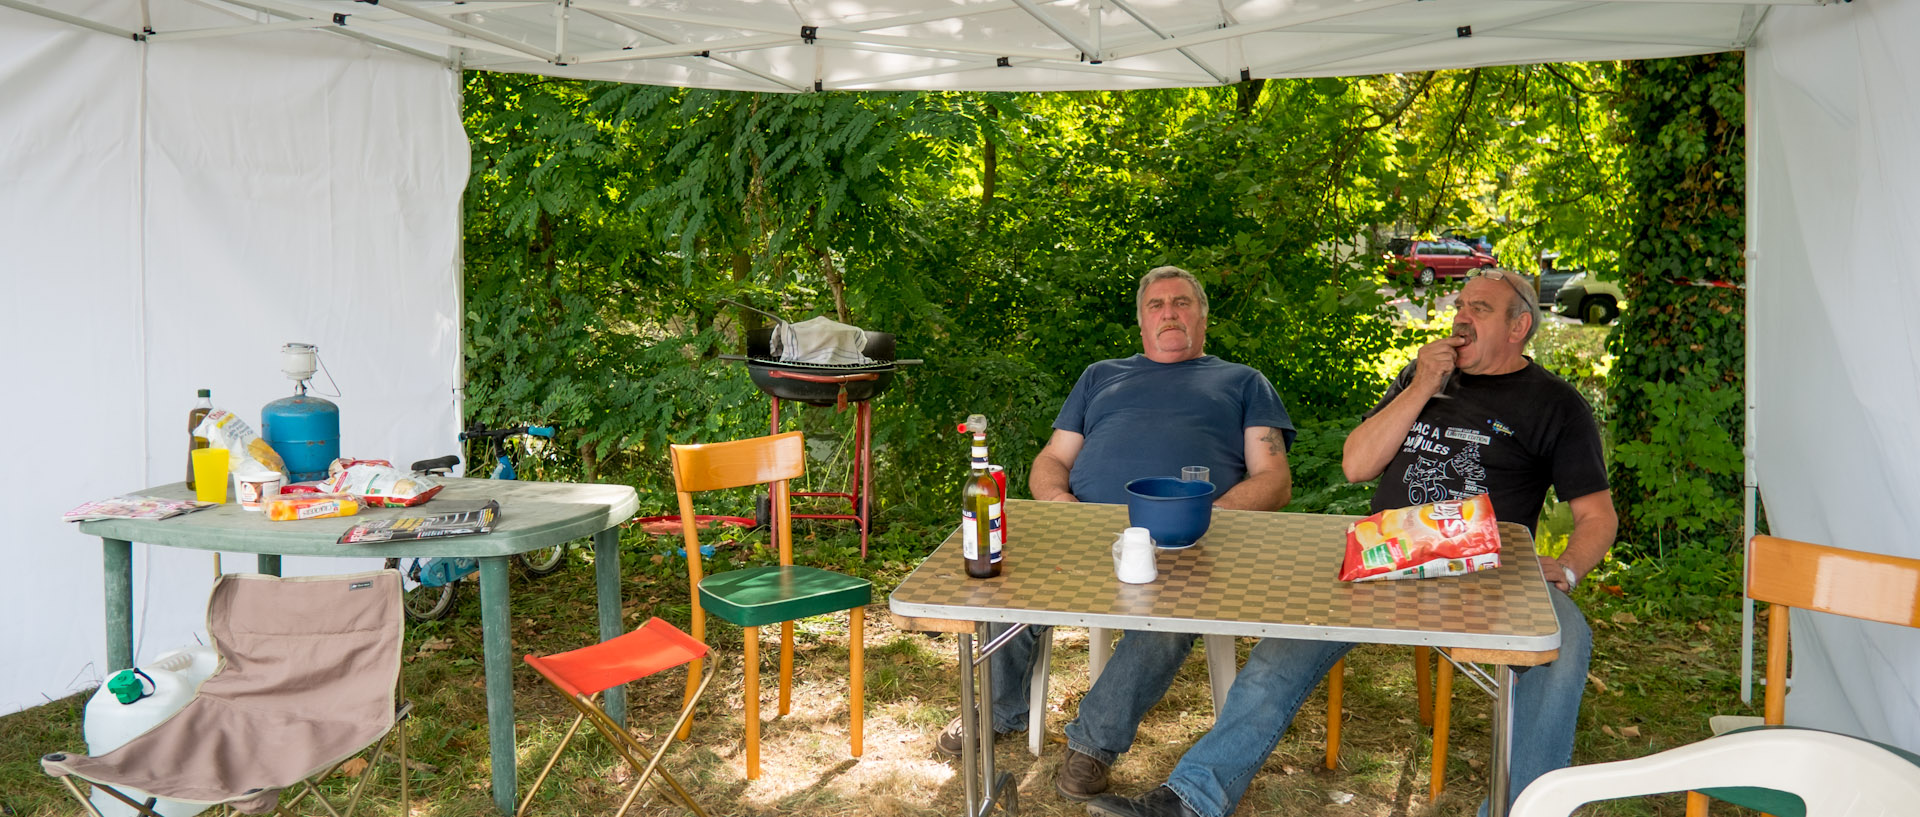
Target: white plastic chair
(1222, 664)
(1837, 776)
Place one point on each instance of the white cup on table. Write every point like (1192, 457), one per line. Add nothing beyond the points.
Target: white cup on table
(1134, 559)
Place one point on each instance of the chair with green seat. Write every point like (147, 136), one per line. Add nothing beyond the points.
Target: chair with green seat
(776, 594)
(1787, 574)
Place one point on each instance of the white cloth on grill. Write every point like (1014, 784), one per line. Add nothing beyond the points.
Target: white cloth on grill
(819, 340)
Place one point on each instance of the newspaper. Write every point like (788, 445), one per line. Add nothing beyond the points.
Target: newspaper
(133, 506)
(433, 520)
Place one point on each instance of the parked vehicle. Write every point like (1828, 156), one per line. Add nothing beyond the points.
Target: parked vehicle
(1477, 242)
(1427, 259)
(1551, 280)
(1591, 300)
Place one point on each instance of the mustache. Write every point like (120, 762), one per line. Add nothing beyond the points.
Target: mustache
(1464, 331)
(1165, 325)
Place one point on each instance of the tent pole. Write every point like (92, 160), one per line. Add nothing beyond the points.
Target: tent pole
(1750, 488)
(457, 58)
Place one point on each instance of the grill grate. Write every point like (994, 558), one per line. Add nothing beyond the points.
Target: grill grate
(871, 365)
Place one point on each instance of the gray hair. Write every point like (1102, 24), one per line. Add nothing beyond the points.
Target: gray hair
(1523, 301)
(1160, 274)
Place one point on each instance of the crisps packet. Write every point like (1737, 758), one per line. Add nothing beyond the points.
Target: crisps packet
(1449, 538)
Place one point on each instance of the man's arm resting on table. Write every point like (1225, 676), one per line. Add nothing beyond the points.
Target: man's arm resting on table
(1594, 524)
(1049, 480)
(1269, 483)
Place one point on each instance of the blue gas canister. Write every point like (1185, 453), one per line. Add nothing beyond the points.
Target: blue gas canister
(305, 431)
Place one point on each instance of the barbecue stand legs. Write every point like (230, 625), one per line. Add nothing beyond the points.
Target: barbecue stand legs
(983, 789)
(859, 493)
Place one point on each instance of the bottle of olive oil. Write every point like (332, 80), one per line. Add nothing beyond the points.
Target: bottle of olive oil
(196, 442)
(981, 512)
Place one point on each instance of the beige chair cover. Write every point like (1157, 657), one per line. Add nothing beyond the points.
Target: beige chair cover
(307, 679)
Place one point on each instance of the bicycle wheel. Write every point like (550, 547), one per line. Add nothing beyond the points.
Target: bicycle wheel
(544, 561)
(423, 603)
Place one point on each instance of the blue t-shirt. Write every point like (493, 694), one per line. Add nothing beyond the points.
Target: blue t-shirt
(1147, 419)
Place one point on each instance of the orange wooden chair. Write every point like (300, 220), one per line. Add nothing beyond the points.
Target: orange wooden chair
(1785, 574)
(1433, 697)
(757, 596)
(582, 674)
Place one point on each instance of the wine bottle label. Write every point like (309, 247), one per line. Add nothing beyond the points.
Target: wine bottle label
(969, 536)
(996, 523)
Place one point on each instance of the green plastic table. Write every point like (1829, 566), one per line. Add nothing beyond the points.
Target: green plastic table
(533, 515)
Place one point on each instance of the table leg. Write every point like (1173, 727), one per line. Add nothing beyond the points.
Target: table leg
(606, 582)
(268, 564)
(117, 567)
(969, 751)
(1502, 740)
(497, 645)
(983, 729)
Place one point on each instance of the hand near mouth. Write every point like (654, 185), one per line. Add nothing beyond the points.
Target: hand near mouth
(1436, 363)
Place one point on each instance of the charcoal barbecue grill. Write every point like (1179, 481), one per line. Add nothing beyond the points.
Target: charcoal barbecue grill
(821, 384)
(828, 384)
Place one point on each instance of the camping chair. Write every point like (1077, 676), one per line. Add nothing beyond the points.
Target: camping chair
(308, 678)
(1786, 574)
(582, 674)
(1827, 775)
(757, 596)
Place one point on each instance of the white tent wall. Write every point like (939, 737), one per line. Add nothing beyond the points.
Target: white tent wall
(1836, 101)
(170, 214)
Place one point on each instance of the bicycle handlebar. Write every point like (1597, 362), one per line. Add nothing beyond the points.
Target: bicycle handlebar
(478, 433)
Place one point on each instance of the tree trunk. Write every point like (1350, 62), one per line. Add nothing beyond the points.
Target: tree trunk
(835, 284)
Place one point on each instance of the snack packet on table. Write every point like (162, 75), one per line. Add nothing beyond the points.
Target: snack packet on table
(251, 456)
(379, 484)
(289, 507)
(1448, 538)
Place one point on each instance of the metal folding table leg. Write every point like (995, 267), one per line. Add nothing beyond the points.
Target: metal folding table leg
(1502, 741)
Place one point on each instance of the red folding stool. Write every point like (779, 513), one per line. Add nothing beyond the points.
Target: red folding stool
(582, 674)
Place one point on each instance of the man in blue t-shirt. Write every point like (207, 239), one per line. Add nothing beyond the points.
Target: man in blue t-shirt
(1146, 415)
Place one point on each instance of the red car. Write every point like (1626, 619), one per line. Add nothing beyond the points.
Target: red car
(1424, 259)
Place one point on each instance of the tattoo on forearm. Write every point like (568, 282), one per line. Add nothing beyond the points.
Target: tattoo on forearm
(1276, 442)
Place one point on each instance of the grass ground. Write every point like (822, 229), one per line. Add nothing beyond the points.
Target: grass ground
(1653, 685)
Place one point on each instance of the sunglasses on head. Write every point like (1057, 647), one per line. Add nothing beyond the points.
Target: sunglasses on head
(1521, 286)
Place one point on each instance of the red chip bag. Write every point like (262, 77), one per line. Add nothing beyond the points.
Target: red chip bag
(1448, 538)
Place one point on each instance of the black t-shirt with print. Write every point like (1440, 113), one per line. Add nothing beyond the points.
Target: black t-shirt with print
(1511, 435)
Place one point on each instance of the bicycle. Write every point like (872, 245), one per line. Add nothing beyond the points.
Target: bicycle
(437, 579)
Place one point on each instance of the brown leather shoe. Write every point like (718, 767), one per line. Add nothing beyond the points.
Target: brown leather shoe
(949, 741)
(1160, 802)
(1081, 776)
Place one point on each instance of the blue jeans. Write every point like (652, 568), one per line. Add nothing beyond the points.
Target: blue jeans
(1213, 775)
(1137, 677)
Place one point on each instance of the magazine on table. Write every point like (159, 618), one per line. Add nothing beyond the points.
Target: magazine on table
(433, 520)
(133, 506)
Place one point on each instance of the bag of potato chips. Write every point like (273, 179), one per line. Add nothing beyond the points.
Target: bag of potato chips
(1448, 538)
(251, 456)
(378, 484)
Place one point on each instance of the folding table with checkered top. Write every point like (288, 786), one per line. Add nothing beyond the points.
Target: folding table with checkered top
(1253, 574)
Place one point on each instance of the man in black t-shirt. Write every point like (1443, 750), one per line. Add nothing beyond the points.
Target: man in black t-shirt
(1472, 415)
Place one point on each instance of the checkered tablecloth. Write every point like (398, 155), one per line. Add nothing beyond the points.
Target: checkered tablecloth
(1253, 573)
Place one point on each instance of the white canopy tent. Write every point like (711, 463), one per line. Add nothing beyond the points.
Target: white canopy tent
(1828, 91)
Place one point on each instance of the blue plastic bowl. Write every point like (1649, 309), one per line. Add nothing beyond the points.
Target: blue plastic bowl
(1177, 513)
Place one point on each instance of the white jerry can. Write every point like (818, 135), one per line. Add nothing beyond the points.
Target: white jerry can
(109, 724)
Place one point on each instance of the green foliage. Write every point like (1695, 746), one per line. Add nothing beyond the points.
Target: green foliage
(1680, 475)
(1685, 446)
